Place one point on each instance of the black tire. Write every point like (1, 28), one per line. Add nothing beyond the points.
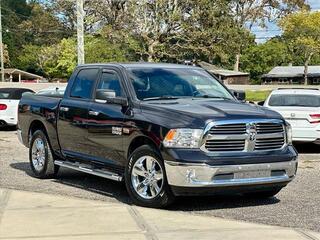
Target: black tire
(49, 170)
(264, 194)
(165, 196)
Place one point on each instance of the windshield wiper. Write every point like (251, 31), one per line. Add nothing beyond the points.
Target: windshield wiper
(211, 96)
(160, 98)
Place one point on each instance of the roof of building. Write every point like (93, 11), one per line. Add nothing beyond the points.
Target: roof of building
(23, 73)
(220, 71)
(292, 71)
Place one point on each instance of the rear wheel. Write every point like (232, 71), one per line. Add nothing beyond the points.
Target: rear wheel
(41, 157)
(146, 179)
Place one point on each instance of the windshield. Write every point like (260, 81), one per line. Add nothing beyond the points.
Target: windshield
(294, 100)
(153, 83)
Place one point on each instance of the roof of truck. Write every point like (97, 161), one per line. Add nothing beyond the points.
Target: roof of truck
(143, 65)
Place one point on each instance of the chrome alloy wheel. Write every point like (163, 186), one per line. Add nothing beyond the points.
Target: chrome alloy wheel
(147, 177)
(38, 154)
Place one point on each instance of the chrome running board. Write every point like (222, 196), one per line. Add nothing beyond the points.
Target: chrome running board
(84, 168)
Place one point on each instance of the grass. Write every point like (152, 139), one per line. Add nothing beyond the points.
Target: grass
(253, 95)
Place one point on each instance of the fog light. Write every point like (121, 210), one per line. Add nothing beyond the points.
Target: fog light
(191, 175)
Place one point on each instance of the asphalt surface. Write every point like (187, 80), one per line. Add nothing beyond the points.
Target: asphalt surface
(297, 205)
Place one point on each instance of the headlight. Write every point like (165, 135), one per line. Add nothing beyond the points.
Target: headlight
(183, 138)
(289, 133)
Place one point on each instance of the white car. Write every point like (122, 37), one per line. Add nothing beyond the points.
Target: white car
(9, 101)
(301, 108)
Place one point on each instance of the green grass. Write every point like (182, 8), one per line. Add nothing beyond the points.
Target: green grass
(252, 95)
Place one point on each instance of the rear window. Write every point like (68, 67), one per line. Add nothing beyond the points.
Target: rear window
(294, 100)
(4, 95)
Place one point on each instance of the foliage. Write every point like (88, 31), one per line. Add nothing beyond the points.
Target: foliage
(41, 34)
(302, 32)
(252, 95)
(261, 58)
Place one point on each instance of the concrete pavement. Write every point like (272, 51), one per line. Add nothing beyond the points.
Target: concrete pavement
(28, 215)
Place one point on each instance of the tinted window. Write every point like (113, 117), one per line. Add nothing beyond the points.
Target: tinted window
(84, 83)
(4, 95)
(298, 100)
(184, 82)
(111, 80)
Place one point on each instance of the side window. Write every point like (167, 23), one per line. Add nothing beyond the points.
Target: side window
(111, 80)
(84, 83)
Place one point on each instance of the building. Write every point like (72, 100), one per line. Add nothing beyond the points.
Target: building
(226, 76)
(16, 75)
(291, 75)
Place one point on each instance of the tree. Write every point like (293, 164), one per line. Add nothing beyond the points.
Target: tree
(302, 32)
(261, 58)
(13, 13)
(246, 13)
(42, 27)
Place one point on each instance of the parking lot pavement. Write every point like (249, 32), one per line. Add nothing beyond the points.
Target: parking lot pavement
(296, 206)
(31, 215)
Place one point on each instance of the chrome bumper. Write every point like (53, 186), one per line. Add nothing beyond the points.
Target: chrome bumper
(203, 175)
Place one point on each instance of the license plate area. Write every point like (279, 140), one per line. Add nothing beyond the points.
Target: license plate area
(252, 174)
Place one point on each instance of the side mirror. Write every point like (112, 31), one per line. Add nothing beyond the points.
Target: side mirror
(109, 96)
(261, 103)
(240, 95)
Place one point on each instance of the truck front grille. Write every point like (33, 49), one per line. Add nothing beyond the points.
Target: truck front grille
(250, 136)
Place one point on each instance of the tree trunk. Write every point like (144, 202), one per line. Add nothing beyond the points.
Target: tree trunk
(305, 72)
(151, 53)
(236, 65)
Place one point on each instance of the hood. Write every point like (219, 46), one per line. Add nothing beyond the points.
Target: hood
(196, 112)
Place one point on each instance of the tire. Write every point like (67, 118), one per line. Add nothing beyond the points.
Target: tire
(264, 194)
(41, 157)
(147, 187)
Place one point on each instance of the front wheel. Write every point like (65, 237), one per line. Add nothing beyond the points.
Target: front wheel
(145, 179)
(41, 157)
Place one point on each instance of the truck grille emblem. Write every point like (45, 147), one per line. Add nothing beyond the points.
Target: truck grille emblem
(251, 130)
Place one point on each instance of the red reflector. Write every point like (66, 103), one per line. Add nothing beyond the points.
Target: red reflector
(3, 106)
(315, 115)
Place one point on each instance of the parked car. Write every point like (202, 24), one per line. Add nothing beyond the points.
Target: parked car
(52, 92)
(9, 100)
(301, 108)
(166, 130)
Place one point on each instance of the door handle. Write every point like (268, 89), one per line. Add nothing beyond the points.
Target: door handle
(64, 109)
(94, 113)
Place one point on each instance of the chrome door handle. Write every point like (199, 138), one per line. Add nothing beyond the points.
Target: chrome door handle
(64, 109)
(94, 113)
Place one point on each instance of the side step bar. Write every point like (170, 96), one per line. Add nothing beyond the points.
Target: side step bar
(96, 172)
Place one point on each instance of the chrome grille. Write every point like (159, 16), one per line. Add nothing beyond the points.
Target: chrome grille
(269, 143)
(228, 129)
(269, 128)
(248, 136)
(225, 145)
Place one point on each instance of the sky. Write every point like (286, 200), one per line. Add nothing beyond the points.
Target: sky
(263, 35)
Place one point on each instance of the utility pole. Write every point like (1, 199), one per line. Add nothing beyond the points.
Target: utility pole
(80, 16)
(1, 47)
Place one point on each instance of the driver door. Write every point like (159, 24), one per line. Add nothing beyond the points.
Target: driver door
(105, 121)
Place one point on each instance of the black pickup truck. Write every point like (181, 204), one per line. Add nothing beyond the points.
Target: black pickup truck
(165, 130)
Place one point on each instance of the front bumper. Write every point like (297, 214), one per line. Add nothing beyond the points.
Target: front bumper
(193, 175)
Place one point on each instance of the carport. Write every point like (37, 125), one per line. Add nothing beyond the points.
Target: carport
(17, 75)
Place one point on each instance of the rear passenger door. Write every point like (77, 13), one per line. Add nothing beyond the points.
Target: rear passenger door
(105, 133)
(73, 114)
